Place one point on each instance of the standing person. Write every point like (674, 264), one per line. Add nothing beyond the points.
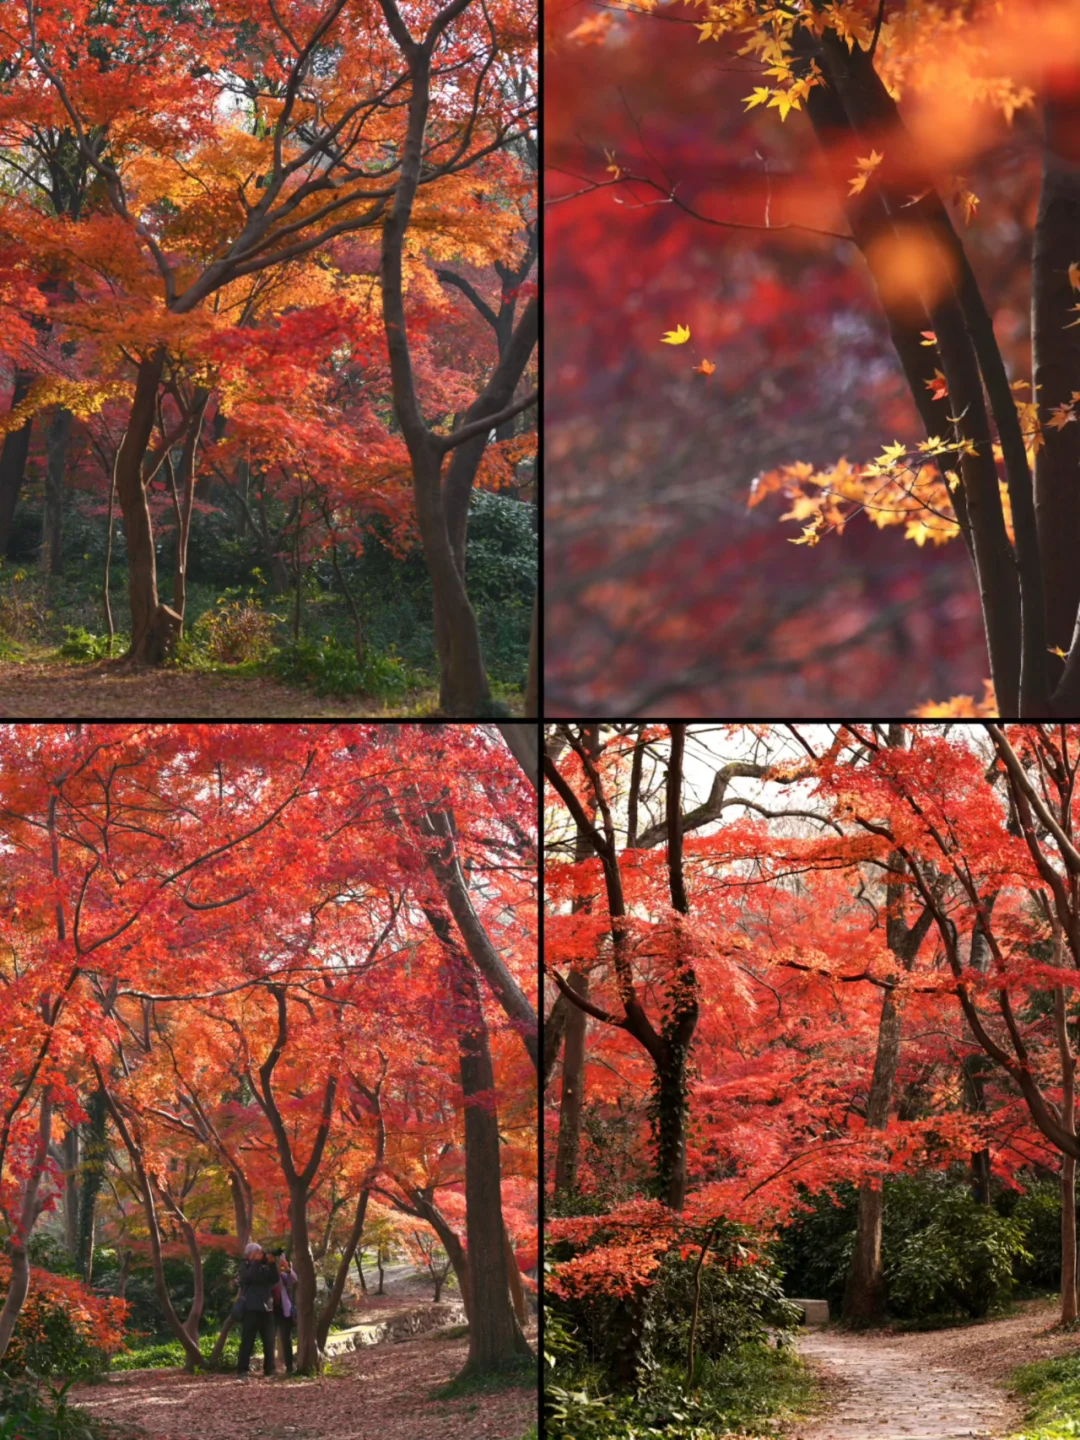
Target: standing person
(258, 1275)
(285, 1307)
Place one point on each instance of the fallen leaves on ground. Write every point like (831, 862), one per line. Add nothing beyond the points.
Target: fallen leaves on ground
(380, 1393)
(55, 692)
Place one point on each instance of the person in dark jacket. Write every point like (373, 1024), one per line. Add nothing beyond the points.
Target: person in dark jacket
(285, 1307)
(258, 1275)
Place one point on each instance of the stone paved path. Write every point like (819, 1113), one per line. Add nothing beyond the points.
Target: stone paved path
(886, 1389)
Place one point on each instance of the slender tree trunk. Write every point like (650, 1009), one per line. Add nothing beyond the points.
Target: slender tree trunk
(71, 1191)
(186, 503)
(438, 1286)
(308, 1358)
(51, 559)
(95, 1153)
(329, 1310)
(13, 455)
(19, 1240)
(572, 1099)
(517, 1289)
(1056, 363)
(154, 626)
(1068, 1162)
(192, 1355)
(495, 1337)
(360, 1271)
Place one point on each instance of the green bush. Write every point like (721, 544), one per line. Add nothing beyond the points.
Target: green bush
(961, 1261)
(749, 1390)
(741, 1301)
(236, 632)
(814, 1250)
(329, 668)
(1038, 1209)
(81, 644)
(31, 1410)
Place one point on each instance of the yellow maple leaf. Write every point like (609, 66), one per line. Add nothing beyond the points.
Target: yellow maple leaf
(1062, 416)
(678, 336)
(811, 533)
(757, 96)
(784, 101)
(1057, 650)
(866, 166)
(705, 368)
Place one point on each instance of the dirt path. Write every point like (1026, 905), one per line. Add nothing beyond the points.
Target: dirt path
(380, 1393)
(46, 692)
(938, 1385)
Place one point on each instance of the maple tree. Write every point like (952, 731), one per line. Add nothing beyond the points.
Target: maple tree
(234, 943)
(867, 145)
(233, 223)
(864, 935)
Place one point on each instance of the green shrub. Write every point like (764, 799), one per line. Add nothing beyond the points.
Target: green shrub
(82, 644)
(962, 1260)
(235, 632)
(748, 1390)
(1038, 1209)
(31, 1410)
(741, 1300)
(329, 668)
(814, 1250)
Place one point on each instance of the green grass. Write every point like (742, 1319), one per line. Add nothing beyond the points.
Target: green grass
(1052, 1391)
(166, 1354)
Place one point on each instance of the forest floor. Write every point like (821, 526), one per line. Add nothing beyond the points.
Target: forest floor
(930, 1385)
(383, 1392)
(42, 690)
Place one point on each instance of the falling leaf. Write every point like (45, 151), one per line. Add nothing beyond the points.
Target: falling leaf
(810, 535)
(611, 167)
(938, 387)
(678, 336)
(929, 338)
(1063, 415)
(866, 166)
(705, 368)
(1057, 650)
(1074, 275)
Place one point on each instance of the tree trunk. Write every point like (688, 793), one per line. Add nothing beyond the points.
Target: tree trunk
(438, 1286)
(1068, 1239)
(51, 560)
(379, 1265)
(192, 1354)
(1056, 364)
(13, 455)
(329, 1310)
(464, 688)
(19, 1240)
(495, 1338)
(154, 626)
(517, 1289)
(308, 1356)
(1068, 1162)
(95, 1153)
(186, 503)
(71, 1191)
(572, 1100)
(360, 1271)
(975, 1104)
